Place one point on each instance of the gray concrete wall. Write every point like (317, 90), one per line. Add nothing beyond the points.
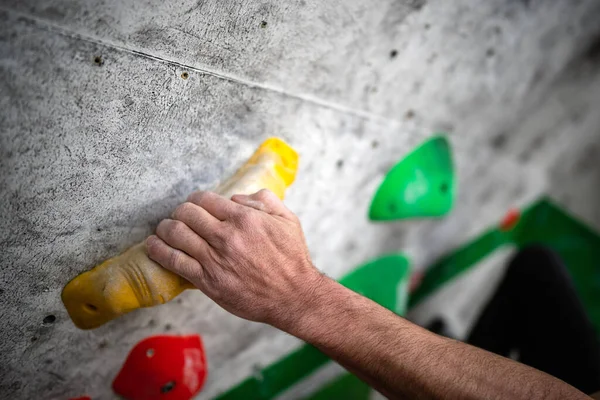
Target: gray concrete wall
(93, 156)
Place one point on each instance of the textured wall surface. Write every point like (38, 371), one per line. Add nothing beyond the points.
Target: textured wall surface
(101, 137)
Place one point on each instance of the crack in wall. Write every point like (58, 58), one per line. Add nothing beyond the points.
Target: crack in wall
(43, 24)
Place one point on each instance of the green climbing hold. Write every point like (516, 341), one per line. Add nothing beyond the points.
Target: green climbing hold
(420, 185)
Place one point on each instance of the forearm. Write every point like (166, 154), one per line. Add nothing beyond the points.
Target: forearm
(249, 255)
(401, 359)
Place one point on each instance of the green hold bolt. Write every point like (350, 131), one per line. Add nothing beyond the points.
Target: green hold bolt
(420, 185)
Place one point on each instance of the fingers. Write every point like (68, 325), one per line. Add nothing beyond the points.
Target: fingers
(264, 200)
(198, 219)
(218, 206)
(179, 236)
(174, 260)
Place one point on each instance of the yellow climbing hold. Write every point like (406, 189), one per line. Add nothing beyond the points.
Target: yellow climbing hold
(132, 280)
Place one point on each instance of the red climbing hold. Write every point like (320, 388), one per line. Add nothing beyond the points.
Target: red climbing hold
(163, 367)
(81, 398)
(510, 220)
(415, 280)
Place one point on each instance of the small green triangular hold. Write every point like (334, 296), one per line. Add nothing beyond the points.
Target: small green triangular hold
(422, 184)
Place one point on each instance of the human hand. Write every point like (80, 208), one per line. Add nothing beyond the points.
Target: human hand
(248, 254)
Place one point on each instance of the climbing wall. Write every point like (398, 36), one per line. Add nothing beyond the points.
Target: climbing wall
(112, 111)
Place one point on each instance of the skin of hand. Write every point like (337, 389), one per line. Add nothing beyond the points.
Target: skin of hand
(249, 255)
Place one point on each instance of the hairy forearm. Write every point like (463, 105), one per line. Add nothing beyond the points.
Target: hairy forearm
(248, 254)
(400, 359)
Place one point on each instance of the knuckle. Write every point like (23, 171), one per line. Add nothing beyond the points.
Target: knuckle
(263, 194)
(269, 198)
(247, 218)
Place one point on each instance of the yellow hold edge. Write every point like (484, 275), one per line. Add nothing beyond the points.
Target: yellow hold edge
(132, 280)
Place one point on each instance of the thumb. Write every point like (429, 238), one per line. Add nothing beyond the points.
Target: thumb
(266, 201)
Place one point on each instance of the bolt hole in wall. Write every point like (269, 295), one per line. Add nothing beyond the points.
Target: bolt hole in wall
(263, 24)
(185, 75)
(98, 60)
(49, 319)
(393, 53)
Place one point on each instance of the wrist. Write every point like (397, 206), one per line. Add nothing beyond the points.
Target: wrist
(316, 303)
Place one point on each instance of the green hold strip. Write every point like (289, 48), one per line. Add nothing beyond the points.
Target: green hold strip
(541, 223)
(347, 387)
(422, 184)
